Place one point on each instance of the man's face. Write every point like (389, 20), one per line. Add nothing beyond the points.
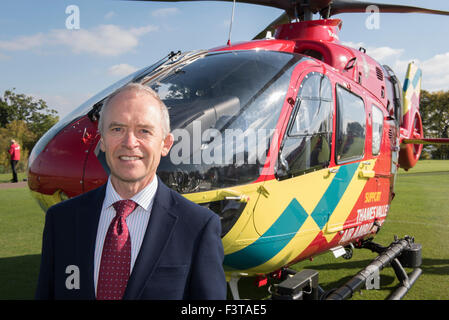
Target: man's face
(133, 138)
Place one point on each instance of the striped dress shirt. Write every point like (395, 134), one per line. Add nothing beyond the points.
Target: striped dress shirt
(137, 221)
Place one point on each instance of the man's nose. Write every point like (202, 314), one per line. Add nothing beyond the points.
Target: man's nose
(130, 139)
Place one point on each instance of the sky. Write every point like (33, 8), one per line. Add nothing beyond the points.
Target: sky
(46, 54)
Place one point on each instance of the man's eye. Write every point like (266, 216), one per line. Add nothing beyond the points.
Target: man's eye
(116, 129)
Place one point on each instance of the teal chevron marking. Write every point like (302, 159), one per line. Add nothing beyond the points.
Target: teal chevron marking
(289, 222)
(416, 78)
(406, 84)
(272, 241)
(413, 82)
(333, 194)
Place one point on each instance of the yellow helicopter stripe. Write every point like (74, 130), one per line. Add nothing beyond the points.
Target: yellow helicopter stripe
(353, 178)
(299, 243)
(243, 232)
(310, 203)
(273, 197)
(349, 199)
(291, 232)
(412, 86)
(308, 189)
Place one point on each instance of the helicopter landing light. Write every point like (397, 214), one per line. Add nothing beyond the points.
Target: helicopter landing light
(338, 251)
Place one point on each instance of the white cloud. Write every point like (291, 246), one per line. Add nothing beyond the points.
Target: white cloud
(105, 40)
(121, 70)
(435, 69)
(438, 64)
(435, 72)
(164, 12)
(385, 53)
(23, 43)
(381, 54)
(435, 76)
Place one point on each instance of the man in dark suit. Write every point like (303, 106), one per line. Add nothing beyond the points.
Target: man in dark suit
(133, 238)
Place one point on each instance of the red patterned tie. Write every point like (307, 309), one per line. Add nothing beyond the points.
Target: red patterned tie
(116, 255)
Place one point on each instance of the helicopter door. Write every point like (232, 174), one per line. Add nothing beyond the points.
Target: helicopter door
(305, 150)
(351, 173)
(307, 145)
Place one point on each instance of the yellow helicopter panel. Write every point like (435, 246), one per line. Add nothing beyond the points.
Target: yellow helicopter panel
(292, 213)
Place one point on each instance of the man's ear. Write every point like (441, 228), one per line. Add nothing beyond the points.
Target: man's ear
(102, 148)
(167, 144)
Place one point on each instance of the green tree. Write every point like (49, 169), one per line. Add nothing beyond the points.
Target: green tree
(25, 119)
(434, 109)
(18, 130)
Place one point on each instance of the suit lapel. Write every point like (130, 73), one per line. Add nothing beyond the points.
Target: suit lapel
(87, 224)
(157, 235)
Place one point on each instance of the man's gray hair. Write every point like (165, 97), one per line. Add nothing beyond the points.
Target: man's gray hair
(139, 88)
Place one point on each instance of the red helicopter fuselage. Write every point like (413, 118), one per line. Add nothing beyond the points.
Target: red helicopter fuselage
(66, 163)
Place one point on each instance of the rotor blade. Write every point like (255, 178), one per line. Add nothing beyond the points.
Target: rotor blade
(349, 6)
(283, 18)
(280, 4)
(287, 5)
(336, 6)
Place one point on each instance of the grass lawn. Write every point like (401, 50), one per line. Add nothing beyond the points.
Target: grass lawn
(7, 177)
(21, 226)
(420, 209)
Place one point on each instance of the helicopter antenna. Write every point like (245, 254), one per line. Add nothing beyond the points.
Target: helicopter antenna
(230, 26)
(296, 14)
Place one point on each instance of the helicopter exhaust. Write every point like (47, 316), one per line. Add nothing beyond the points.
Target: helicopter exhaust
(401, 253)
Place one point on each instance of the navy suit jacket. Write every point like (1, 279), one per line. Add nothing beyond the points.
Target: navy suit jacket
(180, 258)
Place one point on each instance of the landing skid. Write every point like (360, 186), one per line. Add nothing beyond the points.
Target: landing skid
(303, 285)
(400, 253)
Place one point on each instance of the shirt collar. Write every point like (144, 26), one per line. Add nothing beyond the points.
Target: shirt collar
(144, 198)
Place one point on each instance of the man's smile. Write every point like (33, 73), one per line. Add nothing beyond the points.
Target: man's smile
(130, 158)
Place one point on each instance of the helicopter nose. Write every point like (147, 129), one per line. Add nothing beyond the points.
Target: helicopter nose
(56, 163)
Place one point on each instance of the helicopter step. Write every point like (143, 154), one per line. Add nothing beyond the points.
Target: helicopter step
(399, 254)
(302, 285)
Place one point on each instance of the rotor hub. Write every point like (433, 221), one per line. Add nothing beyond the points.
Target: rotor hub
(320, 30)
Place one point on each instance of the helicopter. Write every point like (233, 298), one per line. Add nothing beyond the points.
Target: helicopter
(292, 138)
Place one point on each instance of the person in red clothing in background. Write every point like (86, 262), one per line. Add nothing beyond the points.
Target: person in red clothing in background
(14, 151)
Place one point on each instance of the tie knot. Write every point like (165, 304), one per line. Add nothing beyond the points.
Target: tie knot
(124, 207)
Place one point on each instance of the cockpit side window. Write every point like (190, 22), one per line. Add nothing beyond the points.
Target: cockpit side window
(377, 129)
(307, 145)
(351, 126)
